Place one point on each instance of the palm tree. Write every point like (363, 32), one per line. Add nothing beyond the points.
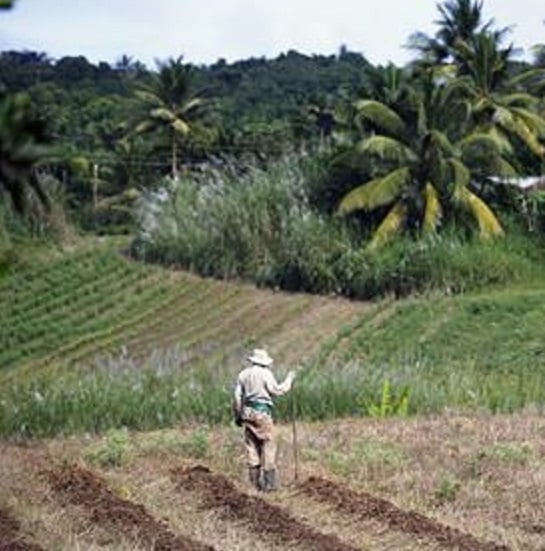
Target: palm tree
(459, 21)
(421, 159)
(501, 104)
(169, 105)
(22, 146)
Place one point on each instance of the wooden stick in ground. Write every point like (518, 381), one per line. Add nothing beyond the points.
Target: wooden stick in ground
(294, 441)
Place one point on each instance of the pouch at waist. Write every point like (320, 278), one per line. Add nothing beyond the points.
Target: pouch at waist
(259, 406)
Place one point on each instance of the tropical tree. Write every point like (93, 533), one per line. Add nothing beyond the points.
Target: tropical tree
(459, 20)
(22, 146)
(390, 85)
(422, 162)
(501, 104)
(170, 105)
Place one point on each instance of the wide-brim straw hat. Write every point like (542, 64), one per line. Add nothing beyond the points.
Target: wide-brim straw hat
(260, 357)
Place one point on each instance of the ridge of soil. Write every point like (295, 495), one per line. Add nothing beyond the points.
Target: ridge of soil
(10, 538)
(366, 505)
(218, 492)
(80, 486)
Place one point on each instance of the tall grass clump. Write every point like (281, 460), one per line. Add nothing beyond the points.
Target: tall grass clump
(249, 223)
(117, 394)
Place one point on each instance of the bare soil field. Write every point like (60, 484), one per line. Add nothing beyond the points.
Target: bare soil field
(452, 482)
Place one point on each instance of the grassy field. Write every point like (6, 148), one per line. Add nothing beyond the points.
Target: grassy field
(419, 420)
(92, 340)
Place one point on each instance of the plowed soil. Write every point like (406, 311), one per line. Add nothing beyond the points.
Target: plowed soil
(79, 486)
(160, 498)
(368, 506)
(217, 491)
(10, 537)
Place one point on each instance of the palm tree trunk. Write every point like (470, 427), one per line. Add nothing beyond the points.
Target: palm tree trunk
(174, 169)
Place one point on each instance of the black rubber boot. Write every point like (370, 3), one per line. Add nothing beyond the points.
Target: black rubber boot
(270, 484)
(255, 477)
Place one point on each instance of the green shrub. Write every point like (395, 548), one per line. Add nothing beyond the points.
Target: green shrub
(111, 451)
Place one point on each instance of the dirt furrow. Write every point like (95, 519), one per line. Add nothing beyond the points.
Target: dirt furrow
(81, 487)
(366, 506)
(218, 492)
(10, 537)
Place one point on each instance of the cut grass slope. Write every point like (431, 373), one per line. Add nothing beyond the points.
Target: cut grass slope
(469, 352)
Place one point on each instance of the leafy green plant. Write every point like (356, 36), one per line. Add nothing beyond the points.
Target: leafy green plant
(111, 451)
(390, 405)
(447, 489)
(197, 444)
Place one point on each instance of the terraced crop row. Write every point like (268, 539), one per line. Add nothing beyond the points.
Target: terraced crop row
(93, 302)
(71, 303)
(364, 505)
(217, 491)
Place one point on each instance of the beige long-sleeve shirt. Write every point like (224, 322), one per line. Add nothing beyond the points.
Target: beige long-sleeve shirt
(258, 384)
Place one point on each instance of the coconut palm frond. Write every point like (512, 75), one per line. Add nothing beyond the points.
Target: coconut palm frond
(163, 114)
(460, 173)
(192, 104)
(381, 116)
(534, 121)
(519, 99)
(433, 211)
(386, 148)
(529, 78)
(180, 126)
(517, 126)
(145, 126)
(482, 103)
(375, 193)
(390, 226)
(490, 140)
(489, 225)
(503, 144)
(442, 140)
(148, 97)
(502, 167)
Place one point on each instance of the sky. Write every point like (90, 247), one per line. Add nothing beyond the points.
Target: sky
(204, 31)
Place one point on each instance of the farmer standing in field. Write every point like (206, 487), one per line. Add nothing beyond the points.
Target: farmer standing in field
(255, 389)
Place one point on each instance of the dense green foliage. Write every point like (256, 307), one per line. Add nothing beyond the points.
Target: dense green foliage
(257, 224)
(266, 108)
(256, 107)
